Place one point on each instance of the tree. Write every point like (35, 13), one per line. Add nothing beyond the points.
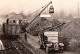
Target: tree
(62, 14)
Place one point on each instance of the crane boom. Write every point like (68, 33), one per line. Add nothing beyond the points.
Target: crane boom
(43, 8)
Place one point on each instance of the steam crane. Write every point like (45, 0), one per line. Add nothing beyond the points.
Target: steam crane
(51, 10)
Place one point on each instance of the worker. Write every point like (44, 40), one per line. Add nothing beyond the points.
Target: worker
(25, 36)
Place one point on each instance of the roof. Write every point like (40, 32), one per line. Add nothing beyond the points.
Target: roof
(17, 17)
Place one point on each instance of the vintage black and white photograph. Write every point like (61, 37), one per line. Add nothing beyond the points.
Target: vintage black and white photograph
(39, 26)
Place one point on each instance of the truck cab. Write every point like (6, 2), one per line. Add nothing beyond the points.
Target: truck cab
(49, 41)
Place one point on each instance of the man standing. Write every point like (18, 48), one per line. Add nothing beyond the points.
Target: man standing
(25, 36)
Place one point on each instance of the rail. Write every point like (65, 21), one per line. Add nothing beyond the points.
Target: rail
(20, 47)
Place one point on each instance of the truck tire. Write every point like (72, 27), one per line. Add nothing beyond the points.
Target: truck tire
(41, 47)
(61, 50)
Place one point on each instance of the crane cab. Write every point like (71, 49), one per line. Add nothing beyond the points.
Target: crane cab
(51, 9)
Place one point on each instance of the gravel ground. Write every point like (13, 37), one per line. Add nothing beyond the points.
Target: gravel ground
(33, 41)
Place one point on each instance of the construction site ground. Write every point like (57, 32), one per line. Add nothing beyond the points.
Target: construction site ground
(33, 41)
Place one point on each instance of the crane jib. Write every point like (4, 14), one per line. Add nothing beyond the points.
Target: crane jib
(44, 7)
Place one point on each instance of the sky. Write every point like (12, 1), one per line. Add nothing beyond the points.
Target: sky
(27, 6)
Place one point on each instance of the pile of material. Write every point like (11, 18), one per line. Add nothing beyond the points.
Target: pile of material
(71, 35)
(43, 24)
(35, 28)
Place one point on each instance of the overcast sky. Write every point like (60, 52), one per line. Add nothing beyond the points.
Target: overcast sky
(7, 6)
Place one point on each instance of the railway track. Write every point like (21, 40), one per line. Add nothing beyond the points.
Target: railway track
(14, 47)
(9, 47)
(20, 47)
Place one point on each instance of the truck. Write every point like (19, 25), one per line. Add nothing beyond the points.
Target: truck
(49, 41)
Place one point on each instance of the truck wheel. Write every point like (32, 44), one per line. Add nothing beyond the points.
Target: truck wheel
(47, 49)
(41, 47)
(61, 50)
